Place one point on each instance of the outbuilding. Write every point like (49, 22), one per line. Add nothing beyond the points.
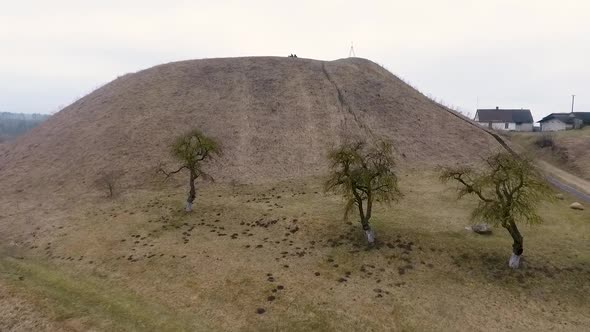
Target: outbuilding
(565, 121)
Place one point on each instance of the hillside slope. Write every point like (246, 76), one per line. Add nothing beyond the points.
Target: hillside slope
(570, 149)
(275, 118)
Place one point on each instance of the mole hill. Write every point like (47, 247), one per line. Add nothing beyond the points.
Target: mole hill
(275, 118)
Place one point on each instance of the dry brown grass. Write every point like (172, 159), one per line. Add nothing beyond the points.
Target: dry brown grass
(19, 313)
(275, 117)
(428, 273)
(73, 260)
(570, 151)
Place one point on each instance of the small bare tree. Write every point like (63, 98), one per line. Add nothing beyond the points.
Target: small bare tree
(108, 181)
(508, 189)
(363, 175)
(191, 150)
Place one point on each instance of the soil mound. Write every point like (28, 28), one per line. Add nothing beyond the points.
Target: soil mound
(275, 118)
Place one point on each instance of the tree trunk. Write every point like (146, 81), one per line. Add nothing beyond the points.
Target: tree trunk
(111, 189)
(192, 193)
(369, 234)
(517, 246)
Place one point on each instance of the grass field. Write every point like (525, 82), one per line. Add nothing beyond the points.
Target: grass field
(138, 262)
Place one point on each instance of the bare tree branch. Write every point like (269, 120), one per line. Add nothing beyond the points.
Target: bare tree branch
(169, 174)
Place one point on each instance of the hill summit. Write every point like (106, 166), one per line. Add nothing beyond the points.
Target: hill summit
(275, 118)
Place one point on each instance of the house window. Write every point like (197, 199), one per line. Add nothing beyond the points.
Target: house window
(506, 125)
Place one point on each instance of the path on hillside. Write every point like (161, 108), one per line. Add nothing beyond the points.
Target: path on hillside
(566, 181)
(570, 190)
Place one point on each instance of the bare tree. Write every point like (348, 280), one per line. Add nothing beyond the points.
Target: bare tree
(191, 150)
(362, 175)
(108, 181)
(508, 189)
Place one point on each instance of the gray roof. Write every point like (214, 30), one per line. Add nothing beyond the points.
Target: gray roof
(567, 118)
(504, 115)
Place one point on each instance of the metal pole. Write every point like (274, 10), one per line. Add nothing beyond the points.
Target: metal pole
(573, 98)
(351, 51)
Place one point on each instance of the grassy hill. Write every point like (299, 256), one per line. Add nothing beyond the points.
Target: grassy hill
(275, 118)
(265, 249)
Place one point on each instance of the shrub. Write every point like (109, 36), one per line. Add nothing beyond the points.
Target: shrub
(545, 140)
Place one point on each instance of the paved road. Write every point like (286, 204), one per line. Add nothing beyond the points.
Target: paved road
(569, 189)
(566, 181)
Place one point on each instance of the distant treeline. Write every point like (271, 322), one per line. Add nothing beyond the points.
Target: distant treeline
(14, 124)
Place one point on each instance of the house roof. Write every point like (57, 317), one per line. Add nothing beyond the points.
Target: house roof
(504, 115)
(567, 118)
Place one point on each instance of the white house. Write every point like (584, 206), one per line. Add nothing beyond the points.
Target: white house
(505, 119)
(565, 121)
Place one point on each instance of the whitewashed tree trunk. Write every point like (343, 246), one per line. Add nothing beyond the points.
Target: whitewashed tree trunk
(189, 207)
(514, 261)
(370, 234)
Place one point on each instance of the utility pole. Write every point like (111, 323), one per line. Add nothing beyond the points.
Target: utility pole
(573, 98)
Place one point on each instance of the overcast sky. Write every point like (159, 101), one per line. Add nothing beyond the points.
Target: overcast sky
(513, 54)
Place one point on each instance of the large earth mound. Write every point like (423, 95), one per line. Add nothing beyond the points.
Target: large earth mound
(275, 118)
